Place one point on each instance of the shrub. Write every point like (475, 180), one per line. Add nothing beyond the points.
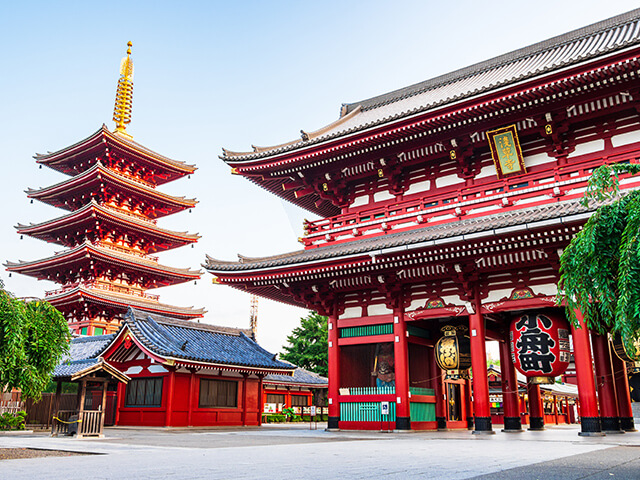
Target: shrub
(13, 421)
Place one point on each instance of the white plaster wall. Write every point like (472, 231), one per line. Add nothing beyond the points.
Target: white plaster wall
(589, 147)
(418, 187)
(359, 201)
(497, 295)
(548, 289)
(538, 159)
(532, 199)
(488, 171)
(448, 180)
(378, 309)
(382, 196)
(351, 312)
(626, 138)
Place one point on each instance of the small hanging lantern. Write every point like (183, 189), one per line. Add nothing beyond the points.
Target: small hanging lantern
(539, 345)
(453, 352)
(623, 352)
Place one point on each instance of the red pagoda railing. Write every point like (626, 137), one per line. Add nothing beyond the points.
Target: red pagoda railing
(127, 251)
(106, 287)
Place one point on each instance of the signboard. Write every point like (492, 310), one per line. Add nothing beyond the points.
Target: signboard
(269, 408)
(506, 151)
(313, 411)
(384, 408)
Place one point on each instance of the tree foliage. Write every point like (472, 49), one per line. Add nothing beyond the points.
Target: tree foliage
(308, 346)
(34, 336)
(600, 268)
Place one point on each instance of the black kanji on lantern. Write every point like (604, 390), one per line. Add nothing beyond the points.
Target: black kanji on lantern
(534, 345)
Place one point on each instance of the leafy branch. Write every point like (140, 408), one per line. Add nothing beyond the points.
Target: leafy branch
(600, 268)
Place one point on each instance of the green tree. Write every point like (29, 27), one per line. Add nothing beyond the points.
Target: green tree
(308, 347)
(34, 336)
(600, 268)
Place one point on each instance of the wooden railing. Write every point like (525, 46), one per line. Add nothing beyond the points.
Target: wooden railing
(84, 424)
(11, 407)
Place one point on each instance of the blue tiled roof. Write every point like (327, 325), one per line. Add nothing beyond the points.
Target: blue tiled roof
(300, 376)
(168, 337)
(83, 353)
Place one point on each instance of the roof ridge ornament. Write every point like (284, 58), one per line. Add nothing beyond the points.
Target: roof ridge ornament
(124, 95)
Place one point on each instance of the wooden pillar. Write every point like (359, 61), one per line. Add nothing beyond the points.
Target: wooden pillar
(536, 409)
(555, 407)
(589, 418)
(103, 405)
(334, 372)
(481, 405)
(169, 406)
(261, 396)
(401, 356)
(245, 377)
(438, 390)
(510, 399)
(192, 385)
(83, 392)
(622, 393)
(56, 400)
(605, 386)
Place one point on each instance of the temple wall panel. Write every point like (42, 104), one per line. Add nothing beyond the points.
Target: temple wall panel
(378, 309)
(587, 147)
(626, 138)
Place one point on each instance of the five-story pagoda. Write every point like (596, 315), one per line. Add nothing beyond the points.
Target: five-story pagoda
(110, 231)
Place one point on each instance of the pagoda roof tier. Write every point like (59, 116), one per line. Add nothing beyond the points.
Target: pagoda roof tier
(73, 193)
(69, 298)
(77, 158)
(72, 229)
(544, 77)
(272, 276)
(65, 266)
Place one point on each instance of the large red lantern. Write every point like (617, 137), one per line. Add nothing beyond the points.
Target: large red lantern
(540, 345)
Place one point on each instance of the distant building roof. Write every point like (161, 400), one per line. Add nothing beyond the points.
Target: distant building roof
(301, 377)
(83, 353)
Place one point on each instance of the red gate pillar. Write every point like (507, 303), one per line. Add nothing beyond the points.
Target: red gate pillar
(438, 388)
(481, 405)
(510, 400)
(622, 394)
(334, 373)
(536, 410)
(605, 386)
(589, 418)
(401, 356)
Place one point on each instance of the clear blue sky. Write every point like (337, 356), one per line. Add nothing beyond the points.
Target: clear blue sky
(215, 74)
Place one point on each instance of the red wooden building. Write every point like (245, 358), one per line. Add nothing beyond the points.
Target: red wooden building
(179, 373)
(302, 389)
(110, 231)
(448, 203)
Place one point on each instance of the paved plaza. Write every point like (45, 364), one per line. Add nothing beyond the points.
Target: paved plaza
(294, 451)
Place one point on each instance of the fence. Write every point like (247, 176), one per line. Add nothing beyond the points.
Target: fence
(40, 413)
(11, 406)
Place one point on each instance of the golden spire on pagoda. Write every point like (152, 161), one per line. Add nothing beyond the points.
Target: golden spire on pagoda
(124, 95)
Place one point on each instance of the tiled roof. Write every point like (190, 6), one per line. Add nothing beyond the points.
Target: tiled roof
(199, 342)
(571, 48)
(300, 377)
(83, 354)
(451, 231)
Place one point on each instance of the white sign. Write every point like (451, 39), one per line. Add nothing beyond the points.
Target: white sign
(269, 408)
(384, 408)
(313, 411)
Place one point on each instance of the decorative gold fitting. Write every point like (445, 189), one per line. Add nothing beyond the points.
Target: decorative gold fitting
(452, 154)
(380, 173)
(215, 280)
(234, 171)
(542, 380)
(548, 129)
(325, 187)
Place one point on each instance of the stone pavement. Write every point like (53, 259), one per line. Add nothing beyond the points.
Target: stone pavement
(294, 451)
